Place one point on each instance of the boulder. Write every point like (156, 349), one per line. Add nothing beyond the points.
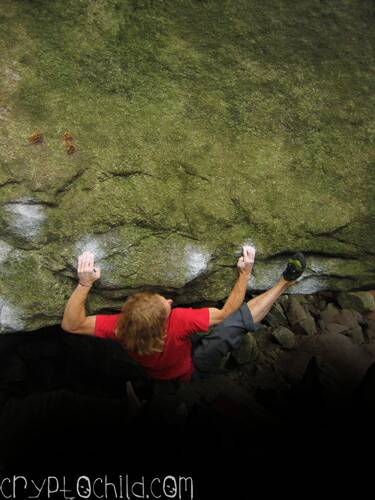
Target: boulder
(349, 317)
(347, 322)
(284, 337)
(363, 302)
(370, 331)
(283, 300)
(356, 334)
(300, 318)
(322, 305)
(276, 316)
(329, 314)
(174, 163)
(371, 315)
(335, 328)
(246, 352)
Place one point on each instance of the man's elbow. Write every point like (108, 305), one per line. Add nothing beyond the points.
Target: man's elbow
(217, 316)
(66, 327)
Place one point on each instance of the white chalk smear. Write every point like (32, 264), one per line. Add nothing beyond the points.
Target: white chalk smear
(26, 219)
(311, 284)
(196, 261)
(249, 243)
(10, 317)
(96, 245)
(5, 250)
(271, 272)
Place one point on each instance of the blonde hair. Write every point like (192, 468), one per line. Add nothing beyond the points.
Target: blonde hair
(141, 328)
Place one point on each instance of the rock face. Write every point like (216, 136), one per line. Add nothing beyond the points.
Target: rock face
(191, 138)
(284, 337)
(363, 302)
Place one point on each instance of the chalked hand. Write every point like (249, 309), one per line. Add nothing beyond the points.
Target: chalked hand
(87, 273)
(246, 261)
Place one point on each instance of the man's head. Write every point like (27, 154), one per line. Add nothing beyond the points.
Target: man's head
(142, 326)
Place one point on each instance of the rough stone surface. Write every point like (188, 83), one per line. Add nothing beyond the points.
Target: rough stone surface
(246, 353)
(363, 302)
(276, 316)
(284, 337)
(193, 136)
(370, 331)
(300, 318)
(330, 313)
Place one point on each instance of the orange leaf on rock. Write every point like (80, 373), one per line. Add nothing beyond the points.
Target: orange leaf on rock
(36, 138)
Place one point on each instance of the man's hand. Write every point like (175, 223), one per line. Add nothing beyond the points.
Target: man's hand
(87, 274)
(246, 261)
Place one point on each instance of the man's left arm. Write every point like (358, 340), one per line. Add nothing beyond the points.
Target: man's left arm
(237, 295)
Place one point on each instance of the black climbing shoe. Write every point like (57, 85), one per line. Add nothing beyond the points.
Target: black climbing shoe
(295, 267)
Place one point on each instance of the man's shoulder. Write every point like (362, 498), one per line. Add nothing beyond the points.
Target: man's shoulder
(182, 312)
(105, 325)
(189, 319)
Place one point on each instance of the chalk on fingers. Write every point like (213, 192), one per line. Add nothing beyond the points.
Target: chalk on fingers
(249, 252)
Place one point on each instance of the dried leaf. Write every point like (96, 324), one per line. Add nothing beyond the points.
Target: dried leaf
(36, 138)
(68, 137)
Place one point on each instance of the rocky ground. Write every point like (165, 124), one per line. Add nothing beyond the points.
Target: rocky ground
(334, 332)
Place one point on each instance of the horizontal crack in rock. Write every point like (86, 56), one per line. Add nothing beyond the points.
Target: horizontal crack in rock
(132, 173)
(10, 181)
(287, 254)
(192, 173)
(67, 185)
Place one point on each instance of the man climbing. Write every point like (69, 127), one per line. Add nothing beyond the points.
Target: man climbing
(158, 337)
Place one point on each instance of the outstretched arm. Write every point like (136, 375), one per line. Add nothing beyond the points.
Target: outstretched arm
(237, 295)
(75, 319)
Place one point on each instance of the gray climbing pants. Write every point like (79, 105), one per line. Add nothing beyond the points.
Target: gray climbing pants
(208, 350)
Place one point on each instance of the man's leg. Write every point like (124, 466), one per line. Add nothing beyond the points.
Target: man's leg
(260, 305)
(228, 335)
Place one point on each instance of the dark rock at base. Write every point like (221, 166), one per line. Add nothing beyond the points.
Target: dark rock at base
(283, 300)
(334, 328)
(300, 318)
(349, 361)
(370, 330)
(284, 337)
(346, 322)
(329, 314)
(276, 317)
(322, 305)
(246, 352)
(363, 302)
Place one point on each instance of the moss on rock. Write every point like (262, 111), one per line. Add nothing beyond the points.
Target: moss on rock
(198, 126)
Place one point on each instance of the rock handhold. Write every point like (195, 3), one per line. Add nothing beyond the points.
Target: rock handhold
(363, 302)
(300, 318)
(284, 337)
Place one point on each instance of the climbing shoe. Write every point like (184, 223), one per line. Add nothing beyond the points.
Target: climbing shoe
(295, 267)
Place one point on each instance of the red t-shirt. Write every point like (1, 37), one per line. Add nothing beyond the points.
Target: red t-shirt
(175, 361)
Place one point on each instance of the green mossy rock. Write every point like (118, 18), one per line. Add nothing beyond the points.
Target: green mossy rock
(284, 337)
(362, 302)
(198, 127)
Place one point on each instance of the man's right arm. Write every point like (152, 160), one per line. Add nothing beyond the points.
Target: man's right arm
(233, 302)
(75, 319)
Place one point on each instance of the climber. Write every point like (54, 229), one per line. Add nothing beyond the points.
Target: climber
(159, 337)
